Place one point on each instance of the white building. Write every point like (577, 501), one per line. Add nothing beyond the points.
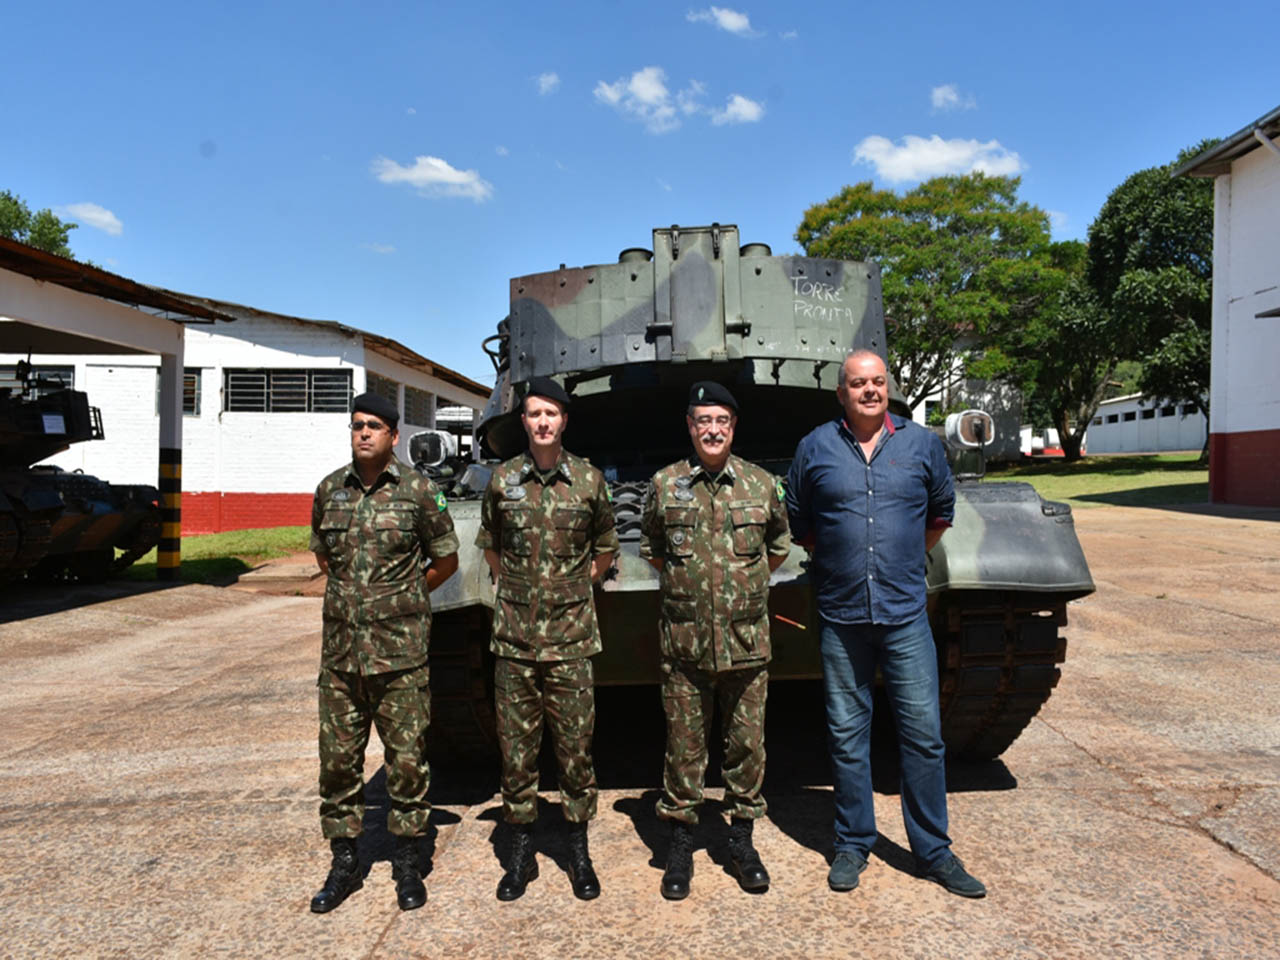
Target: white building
(266, 400)
(1244, 407)
(1137, 424)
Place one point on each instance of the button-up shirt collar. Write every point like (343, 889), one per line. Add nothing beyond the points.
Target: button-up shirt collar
(530, 469)
(391, 472)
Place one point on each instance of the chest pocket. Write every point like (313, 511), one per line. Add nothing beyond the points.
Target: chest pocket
(572, 526)
(334, 526)
(517, 531)
(395, 525)
(680, 524)
(748, 521)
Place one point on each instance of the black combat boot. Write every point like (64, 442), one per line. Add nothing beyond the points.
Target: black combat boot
(344, 876)
(675, 879)
(522, 867)
(586, 886)
(410, 892)
(751, 874)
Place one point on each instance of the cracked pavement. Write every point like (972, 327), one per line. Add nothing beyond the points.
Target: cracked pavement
(158, 791)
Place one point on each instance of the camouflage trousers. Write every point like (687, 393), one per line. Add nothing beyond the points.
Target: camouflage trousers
(687, 694)
(562, 692)
(399, 703)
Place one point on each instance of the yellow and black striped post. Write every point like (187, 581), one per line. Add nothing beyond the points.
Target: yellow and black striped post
(169, 549)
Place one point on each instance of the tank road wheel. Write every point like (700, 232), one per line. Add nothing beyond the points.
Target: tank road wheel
(463, 726)
(996, 669)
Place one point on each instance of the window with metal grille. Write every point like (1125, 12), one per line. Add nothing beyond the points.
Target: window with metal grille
(286, 391)
(1113, 418)
(418, 405)
(46, 379)
(1130, 415)
(190, 391)
(1148, 414)
(384, 387)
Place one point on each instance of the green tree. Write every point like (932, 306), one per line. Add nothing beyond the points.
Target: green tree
(962, 262)
(42, 229)
(1151, 265)
(1067, 357)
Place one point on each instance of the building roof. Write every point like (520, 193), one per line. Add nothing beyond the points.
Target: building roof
(389, 348)
(86, 278)
(1217, 159)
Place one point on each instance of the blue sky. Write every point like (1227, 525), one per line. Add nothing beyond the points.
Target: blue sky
(391, 165)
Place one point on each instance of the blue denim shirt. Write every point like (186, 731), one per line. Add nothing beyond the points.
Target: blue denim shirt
(867, 521)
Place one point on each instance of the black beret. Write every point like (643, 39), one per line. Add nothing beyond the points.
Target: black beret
(706, 393)
(379, 406)
(546, 387)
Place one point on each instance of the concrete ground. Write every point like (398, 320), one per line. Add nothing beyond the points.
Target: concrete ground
(157, 792)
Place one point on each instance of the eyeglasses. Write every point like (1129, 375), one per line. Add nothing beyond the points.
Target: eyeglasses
(373, 425)
(703, 422)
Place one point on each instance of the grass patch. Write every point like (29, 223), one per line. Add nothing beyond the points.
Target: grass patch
(221, 557)
(1141, 481)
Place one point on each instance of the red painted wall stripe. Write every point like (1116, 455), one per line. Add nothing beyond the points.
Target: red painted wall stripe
(212, 511)
(1244, 468)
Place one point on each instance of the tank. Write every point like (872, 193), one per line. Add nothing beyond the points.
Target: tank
(55, 524)
(626, 340)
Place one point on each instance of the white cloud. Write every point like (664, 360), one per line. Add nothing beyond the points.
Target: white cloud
(947, 97)
(664, 185)
(645, 96)
(501, 151)
(434, 177)
(687, 99)
(548, 83)
(919, 159)
(382, 248)
(1057, 219)
(739, 109)
(731, 21)
(789, 35)
(92, 215)
(411, 110)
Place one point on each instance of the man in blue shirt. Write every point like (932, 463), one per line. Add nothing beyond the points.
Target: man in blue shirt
(870, 494)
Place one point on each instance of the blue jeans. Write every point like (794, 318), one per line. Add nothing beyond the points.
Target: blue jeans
(908, 661)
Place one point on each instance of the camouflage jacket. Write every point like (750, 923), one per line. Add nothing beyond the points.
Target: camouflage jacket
(713, 535)
(547, 530)
(378, 542)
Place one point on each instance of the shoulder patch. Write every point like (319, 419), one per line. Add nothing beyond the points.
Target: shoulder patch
(608, 494)
(441, 502)
(780, 490)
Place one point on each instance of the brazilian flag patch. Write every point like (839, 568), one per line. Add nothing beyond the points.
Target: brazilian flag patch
(608, 493)
(441, 502)
(782, 494)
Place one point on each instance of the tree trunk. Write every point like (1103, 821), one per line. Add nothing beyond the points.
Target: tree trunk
(1070, 445)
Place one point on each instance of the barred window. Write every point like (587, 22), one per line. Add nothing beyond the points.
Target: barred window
(1130, 415)
(383, 386)
(1148, 414)
(286, 391)
(190, 391)
(418, 406)
(1113, 418)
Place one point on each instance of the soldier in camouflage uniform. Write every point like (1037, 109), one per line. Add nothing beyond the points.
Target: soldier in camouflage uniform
(383, 535)
(546, 528)
(716, 527)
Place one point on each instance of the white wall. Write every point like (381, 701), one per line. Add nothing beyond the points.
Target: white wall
(1246, 348)
(229, 452)
(1153, 434)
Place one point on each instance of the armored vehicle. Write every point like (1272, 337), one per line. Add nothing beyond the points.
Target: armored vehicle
(55, 524)
(627, 339)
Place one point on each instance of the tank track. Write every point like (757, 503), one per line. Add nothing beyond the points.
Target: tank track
(996, 667)
(463, 725)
